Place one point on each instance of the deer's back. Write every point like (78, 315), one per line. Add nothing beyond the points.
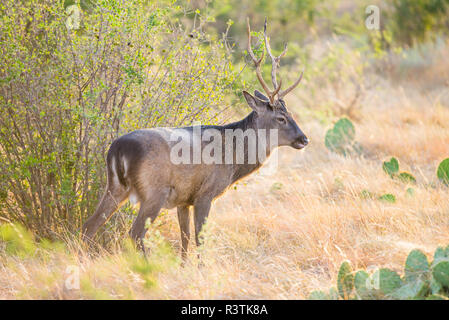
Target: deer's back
(141, 161)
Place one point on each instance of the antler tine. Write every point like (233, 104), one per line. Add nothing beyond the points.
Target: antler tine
(276, 91)
(274, 60)
(293, 86)
(257, 65)
(250, 50)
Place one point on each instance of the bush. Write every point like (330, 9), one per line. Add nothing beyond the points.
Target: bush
(73, 78)
(415, 21)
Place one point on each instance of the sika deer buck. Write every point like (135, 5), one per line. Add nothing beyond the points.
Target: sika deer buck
(140, 164)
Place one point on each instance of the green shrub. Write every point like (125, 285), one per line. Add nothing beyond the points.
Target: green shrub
(421, 280)
(18, 241)
(71, 83)
(414, 21)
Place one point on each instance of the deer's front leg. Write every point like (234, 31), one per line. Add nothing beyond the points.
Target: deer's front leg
(184, 225)
(201, 212)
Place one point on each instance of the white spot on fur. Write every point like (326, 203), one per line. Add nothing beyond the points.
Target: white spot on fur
(125, 166)
(114, 172)
(133, 199)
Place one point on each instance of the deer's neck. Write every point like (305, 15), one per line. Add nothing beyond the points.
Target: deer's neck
(246, 123)
(241, 170)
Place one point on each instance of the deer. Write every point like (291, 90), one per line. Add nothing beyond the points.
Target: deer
(139, 166)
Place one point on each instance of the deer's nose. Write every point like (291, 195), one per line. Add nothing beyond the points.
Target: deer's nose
(304, 140)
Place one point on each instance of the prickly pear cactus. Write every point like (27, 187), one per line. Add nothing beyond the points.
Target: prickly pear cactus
(416, 289)
(441, 253)
(391, 167)
(345, 280)
(410, 192)
(443, 171)
(441, 272)
(340, 139)
(345, 128)
(319, 295)
(421, 280)
(362, 284)
(436, 297)
(386, 281)
(416, 266)
(388, 198)
(440, 269)
(407, 177)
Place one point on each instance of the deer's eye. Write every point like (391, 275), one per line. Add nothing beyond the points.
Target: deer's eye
(281, 120)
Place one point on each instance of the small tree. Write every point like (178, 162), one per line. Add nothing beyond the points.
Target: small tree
(73, 77)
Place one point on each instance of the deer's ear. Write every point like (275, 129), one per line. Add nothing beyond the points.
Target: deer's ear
(261, 96)
(256, 104)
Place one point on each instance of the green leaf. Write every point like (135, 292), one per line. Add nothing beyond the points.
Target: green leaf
(391, 167)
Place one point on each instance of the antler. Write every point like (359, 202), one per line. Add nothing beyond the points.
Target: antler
(274, 60)
(275, 63)
(270, 94)
(293, 86)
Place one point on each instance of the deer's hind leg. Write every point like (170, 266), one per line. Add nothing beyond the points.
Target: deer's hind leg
(113, 198)
(149, 209)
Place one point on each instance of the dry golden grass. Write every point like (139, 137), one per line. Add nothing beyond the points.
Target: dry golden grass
(281, 236)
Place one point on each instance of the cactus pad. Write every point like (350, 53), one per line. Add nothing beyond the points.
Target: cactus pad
(386, 281)
(443, 171)
(391, 167)
(407, 177)
(441, 272)
(340, 138)
(416, 265)
(345, 280)
(388, 198)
